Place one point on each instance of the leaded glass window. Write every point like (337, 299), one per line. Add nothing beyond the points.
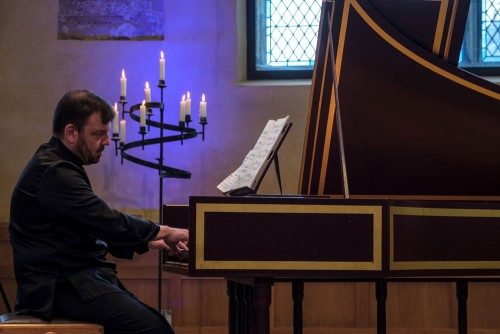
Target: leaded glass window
(481, 47)
(282, 37)
(490, 51)
(285, 37)
(291, 32)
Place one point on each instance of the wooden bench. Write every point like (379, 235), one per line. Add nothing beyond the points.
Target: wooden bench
(11, 323)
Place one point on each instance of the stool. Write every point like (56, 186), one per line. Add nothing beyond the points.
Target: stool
(11, 323)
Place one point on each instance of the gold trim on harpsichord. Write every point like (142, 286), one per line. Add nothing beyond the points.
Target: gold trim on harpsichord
(450, 29)
(202, 264)
(438, 212)
(328, 142)
(331, 110)
(323, 38)
(354, 4)
(438, 37)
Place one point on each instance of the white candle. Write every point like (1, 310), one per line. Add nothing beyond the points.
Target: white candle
(123, 123)
(188, 104)
(123, 85)
(162, 67)
(203, 107)
(143, 113)
(147, 92)
(182, 113)
(115, 120)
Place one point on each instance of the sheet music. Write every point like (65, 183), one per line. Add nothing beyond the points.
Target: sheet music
(245, 175)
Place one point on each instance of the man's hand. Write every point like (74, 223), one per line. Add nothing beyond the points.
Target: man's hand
(171, 239)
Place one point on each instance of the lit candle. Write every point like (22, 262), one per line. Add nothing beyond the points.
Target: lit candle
(162, 67)
(115, 120)
(188, 104)
(147, 92)
(123, 123)
(123, 85)
(143, 113)
(203, 107)
(182, 114)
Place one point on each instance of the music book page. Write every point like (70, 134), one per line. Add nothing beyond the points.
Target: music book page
(246, 176)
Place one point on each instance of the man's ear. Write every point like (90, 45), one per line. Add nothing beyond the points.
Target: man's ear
(70, 134)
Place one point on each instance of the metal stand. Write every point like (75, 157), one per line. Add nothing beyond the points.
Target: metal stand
(183, 132)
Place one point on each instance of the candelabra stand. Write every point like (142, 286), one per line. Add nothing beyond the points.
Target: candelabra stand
(184, 132)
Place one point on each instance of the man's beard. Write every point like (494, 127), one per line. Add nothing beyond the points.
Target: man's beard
(87, 157)
(93, 159)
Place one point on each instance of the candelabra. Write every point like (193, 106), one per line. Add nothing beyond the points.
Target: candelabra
(148, 119)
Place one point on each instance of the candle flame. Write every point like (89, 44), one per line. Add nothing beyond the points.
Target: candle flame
(203, 97)
(161, 54)
(184, 97)
(147, 85)
(116, 107)
(123, 73)
(143, 102)
(188, 95)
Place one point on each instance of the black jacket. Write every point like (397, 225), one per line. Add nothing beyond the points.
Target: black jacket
(60, 229)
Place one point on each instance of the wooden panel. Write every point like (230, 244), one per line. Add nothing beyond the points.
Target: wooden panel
(204, 303)
(328, 304)
(483, 305)
(421, 305)
(282, 305)
(343, 223)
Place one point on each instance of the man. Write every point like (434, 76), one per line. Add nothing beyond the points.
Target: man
(61, 230)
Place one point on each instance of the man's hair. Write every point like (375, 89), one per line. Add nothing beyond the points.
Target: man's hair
(76, 106)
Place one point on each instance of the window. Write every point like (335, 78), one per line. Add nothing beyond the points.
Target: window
(282, 37)
(481, 46)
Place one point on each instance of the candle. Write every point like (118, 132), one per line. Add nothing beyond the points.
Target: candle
(188, 104)
(162, 67)
(203, 107)
(182, 114)
(123, 85)
(122, 131)
(143, 113)
(147, 92)
(115, 120)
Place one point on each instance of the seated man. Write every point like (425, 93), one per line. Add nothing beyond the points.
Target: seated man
(61, 230)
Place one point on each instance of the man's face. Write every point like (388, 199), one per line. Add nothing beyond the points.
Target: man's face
(92, 140)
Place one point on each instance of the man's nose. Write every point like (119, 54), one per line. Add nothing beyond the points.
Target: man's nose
(107, 140)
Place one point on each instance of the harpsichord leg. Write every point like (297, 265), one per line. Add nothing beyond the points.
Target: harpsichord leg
(462, 295)
(298, 297)
(232, 308)
(262, 304)
(381, 295)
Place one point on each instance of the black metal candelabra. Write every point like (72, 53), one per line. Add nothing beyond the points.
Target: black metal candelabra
(183, 132)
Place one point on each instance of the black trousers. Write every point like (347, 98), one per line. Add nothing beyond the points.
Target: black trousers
(118, 313)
